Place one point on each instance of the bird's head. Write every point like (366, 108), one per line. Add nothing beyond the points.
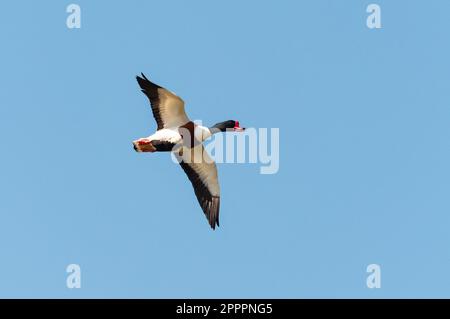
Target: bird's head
(229, 125)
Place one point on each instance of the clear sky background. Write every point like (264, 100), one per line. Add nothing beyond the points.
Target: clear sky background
(364, 149)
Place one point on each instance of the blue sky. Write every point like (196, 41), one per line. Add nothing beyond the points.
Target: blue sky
(364, 149)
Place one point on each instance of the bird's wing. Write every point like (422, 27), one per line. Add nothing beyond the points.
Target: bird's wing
(202, 172)
(168, 109)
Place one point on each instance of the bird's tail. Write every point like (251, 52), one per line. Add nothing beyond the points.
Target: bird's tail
(143, 145)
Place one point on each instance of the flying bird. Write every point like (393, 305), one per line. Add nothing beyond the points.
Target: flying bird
(176, 133)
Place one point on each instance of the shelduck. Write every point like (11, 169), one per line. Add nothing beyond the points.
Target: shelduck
(176, 133)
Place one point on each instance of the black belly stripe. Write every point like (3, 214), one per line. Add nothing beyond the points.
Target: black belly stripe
(163, 146)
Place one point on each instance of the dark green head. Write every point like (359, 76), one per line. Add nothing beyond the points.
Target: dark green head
(229, 125)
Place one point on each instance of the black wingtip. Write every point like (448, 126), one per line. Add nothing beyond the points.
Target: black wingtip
(214, 221)
(141, 78)
(214, 213)
(144, 76)
(145, 83)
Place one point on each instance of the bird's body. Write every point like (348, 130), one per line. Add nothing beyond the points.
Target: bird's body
(176, 133)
